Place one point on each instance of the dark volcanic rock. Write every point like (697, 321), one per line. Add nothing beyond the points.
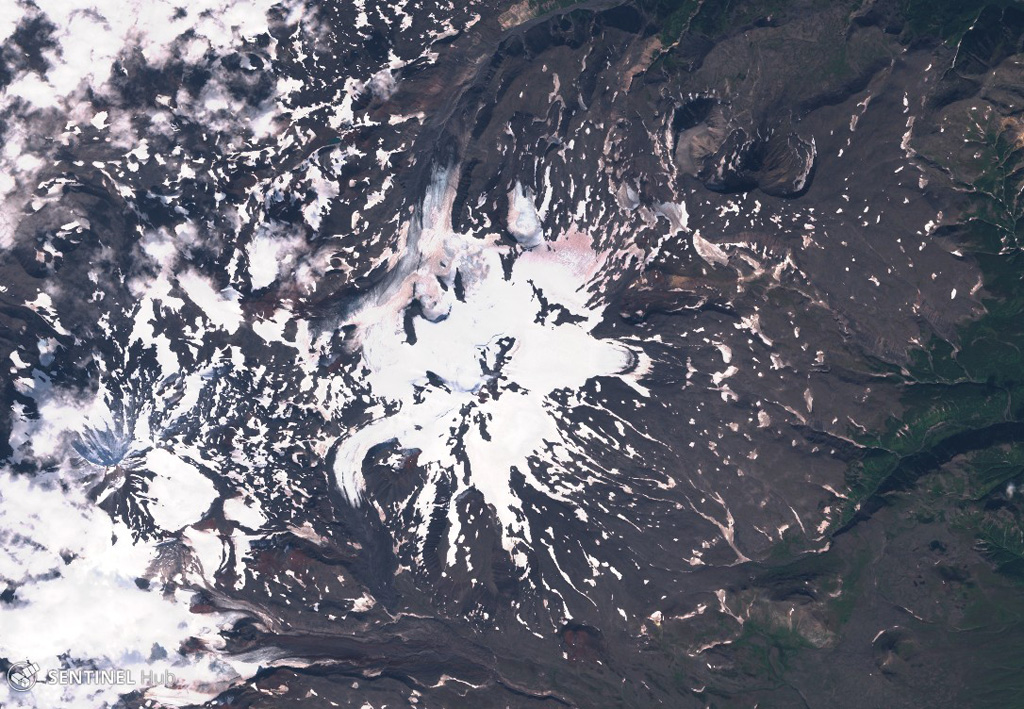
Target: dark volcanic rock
(510, 355)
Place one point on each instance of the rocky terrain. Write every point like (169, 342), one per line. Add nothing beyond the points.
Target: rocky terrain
(660, 353)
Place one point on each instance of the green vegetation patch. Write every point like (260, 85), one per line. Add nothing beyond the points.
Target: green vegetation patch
(964, 399)
(947, 20)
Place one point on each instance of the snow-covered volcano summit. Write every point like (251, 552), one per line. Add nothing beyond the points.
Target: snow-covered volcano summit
(361, 354)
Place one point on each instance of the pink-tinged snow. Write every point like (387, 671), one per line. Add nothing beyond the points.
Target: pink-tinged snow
(461, 344)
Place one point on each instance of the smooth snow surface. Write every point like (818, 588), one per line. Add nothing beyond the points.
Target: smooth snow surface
(495, 357)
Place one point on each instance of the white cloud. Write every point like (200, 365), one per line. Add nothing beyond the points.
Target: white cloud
(268, 253)
(76, 571)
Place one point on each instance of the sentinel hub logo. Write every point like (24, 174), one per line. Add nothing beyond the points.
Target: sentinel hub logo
(23, 676)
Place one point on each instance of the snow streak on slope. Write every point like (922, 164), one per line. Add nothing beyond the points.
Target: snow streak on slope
(468, 383)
